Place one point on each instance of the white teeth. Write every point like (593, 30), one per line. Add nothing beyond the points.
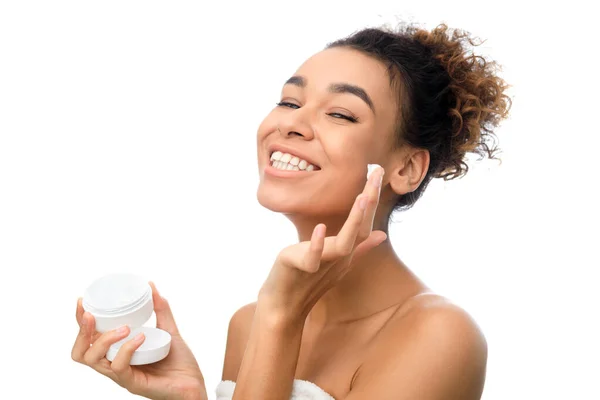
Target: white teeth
(289, 158)
(289, 167)
(288, 162)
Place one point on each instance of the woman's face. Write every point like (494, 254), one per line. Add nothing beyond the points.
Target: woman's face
(337, 112)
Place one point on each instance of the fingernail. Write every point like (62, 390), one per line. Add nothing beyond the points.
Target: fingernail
(138, 337)
(122, 329)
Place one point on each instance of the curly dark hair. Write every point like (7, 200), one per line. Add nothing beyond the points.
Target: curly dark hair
(450, 100)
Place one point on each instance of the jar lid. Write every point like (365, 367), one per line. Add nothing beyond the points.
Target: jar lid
(156, 346)
(116, 293)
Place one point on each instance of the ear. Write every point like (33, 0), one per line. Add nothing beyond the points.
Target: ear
(410, 170)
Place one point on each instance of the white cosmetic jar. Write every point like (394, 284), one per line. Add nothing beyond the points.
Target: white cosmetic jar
(125, 299)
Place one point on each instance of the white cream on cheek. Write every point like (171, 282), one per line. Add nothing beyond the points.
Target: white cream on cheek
(371, 168)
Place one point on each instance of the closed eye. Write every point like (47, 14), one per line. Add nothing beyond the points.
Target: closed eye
(343, 116)
(334, 115)
(286, 104)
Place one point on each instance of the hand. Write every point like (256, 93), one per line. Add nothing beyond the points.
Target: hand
(177, 376)
(305, 271)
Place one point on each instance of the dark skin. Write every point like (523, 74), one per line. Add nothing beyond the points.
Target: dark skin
(421, 345)
(342, 149)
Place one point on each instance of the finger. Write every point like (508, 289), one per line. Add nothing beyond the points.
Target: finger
(164, 315)
(312, 259)
(374, 240)
(91, 327)
(344, 241)
(373, 191)
(121, 364)
(79, 312)
(90, 321)
(297, 251)
(100, 347)
(83, 340)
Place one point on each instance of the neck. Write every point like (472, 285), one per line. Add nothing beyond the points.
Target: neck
(376, 280)
(354, 297)
(305, 225)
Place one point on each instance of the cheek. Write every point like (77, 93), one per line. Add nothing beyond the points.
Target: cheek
(267, 126)
(348, 149)
(349, 158)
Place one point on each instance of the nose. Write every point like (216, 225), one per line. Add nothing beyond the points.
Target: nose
(296, 123)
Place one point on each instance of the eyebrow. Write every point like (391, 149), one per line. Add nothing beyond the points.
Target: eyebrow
(337, 88)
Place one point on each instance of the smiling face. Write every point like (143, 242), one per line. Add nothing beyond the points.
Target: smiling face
(337, 112)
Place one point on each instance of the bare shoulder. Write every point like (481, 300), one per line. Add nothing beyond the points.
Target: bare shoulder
(429, 311)
(431, 348)
(439, 318)
(238, 333)
(435, 322)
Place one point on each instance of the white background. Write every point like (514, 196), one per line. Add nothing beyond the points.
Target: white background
(127, 143)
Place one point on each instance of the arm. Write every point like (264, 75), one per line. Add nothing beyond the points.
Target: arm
(302, 273)
(269, 362)
(237, 339)
(437, 354)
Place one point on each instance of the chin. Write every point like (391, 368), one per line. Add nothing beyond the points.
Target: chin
(283, 201)
(274, 202)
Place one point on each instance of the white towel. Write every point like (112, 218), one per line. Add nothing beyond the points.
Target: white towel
(301, 390)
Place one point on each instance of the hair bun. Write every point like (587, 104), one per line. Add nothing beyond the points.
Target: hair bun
(477, 100)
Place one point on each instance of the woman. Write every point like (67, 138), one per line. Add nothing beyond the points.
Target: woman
(340, 314)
